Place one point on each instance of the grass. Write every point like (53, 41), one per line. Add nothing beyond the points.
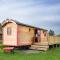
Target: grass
(53, 54)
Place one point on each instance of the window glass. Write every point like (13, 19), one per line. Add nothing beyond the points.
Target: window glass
(9, 30)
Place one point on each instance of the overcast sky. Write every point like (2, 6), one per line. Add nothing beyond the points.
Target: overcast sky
(39, 13)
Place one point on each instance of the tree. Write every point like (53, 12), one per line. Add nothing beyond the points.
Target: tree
(51, 33)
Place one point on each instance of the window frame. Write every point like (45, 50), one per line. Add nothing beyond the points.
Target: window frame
(9, 31)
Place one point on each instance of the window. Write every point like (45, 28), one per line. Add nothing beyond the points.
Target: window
(9, 30)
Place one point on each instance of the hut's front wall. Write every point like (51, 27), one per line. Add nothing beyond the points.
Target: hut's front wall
(43, 36)
(25, 35)
(10, 40)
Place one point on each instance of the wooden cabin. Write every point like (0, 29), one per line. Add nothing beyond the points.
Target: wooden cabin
(18, 34)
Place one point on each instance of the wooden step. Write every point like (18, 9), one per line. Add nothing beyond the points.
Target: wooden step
(40, 46)
(43, 49)
(41, 43)
(33, 48)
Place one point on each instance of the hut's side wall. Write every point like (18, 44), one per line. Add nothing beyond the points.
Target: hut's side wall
(53, 40)
(25, 35)
(10, 40)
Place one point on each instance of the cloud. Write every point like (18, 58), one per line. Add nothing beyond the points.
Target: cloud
(40, 13)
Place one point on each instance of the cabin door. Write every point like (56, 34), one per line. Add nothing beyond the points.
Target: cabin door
(37, 36)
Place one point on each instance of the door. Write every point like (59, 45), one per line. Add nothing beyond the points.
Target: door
(37, 36)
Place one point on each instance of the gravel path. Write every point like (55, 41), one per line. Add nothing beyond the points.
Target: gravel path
(30, 51)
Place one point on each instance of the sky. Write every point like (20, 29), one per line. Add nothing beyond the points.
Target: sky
(39, 13)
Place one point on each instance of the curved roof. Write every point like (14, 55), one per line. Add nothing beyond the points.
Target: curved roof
(7, 21)
(16, 22)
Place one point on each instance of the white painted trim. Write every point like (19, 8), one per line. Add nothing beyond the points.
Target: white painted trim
(8, 20)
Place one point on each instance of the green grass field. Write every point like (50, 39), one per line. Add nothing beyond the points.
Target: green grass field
(53, 54)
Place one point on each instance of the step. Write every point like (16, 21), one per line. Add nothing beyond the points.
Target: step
(40, 46)
(33, 48)
(43, 49)
(40, 43)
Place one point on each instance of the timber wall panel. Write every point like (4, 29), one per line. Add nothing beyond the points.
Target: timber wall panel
(10, 40)
(53, 40)
(25, 37)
